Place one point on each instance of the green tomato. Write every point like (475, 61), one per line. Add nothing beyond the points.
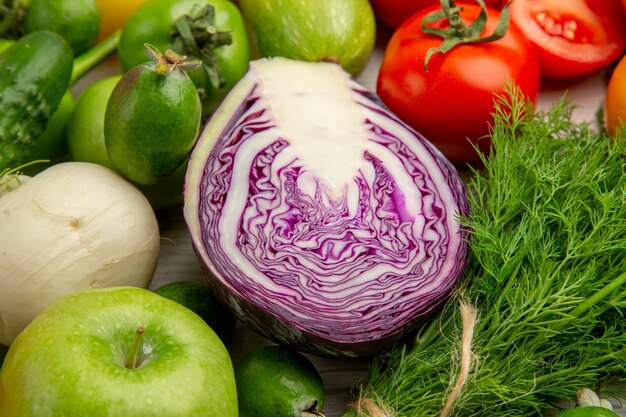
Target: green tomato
(342, 31)
(153, 22)
(589, 411)
(85, 137)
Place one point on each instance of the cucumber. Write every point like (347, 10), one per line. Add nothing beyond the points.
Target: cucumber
(152, 118)
(51, 145)
(34, 75)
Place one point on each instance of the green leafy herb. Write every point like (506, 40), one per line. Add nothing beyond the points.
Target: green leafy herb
(547, 275)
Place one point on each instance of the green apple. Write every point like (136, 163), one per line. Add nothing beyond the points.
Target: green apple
(342, 31)
(117, 352)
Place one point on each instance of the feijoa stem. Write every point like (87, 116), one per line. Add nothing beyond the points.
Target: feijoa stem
(313, 410)
(167, 62)
(131, 361)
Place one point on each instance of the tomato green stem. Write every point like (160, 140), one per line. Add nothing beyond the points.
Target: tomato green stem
(195, 35)
(457, 33)
(94, 56)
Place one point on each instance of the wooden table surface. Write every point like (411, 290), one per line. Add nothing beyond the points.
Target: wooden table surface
(340, 376)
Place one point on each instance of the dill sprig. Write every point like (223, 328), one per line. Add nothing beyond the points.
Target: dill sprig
(547, 274)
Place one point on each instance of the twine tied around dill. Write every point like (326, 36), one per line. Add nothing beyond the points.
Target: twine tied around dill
(363, 404)
(367, 407)
(468, 319)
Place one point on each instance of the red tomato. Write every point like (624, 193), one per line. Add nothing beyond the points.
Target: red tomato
(453, 101)
(394, 12)
(572, 38)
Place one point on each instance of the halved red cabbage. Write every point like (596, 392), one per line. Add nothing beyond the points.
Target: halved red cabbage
(322, 221)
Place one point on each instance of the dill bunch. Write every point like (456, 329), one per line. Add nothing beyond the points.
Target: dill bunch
(546, 274)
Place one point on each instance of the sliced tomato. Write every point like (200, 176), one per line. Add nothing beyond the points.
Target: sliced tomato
(394, 12)
(572, 38)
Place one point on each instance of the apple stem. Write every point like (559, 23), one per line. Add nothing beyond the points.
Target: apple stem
(131, 363)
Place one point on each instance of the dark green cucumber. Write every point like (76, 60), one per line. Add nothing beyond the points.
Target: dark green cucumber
(152, 119)
(34, 75)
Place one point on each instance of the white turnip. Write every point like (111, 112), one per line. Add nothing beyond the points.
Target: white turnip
(74, 226)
